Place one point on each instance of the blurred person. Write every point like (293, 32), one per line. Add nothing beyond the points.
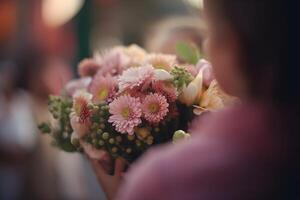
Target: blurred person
(165, 35)
(17, 135)
(247, 151)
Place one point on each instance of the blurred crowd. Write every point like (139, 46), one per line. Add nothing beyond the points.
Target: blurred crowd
(38, 56)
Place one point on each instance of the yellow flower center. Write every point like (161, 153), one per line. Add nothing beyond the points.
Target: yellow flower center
(78, 104)
(125, 112)
(102, 94)
(153, 107)
(77, 108)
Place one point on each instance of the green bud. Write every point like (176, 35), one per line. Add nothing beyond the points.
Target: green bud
(130, 137)
(96, 108)
(101, 142)
(99, 131)
(156, 129)
(149, 142)
(176, 82)
(94, 142)
(90, 106)
(44, 128)
(111, 140)
(106, 107)
(138, 143)
(103, 108)
(128, 150)
(114, 149)
(102, 103)
(75, 142)
(102, 125)
(105, 136)
(119, 139)
(94, 126)
(179, 135)
(68, 110)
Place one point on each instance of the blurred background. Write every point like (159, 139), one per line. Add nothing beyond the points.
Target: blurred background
(40, 43)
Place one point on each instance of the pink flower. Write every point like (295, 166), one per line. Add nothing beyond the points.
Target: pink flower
(81, 129)
(167, 89)
(137, 54)
(78, 84)
(114, 62)
(125, 113)
(88, 67)
(139, 77)
(155, 107)
(208, 75)
(81, 101)
(162, 61)
(102, 88)
(80, 117)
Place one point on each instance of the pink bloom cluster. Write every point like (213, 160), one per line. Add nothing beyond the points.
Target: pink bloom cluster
(142, 98)
(135, 85)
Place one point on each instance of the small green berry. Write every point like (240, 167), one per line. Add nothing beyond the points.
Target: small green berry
(101, 143)
(128, 150)
(102, 125)
(75, 142)
(111, 140)
(105, 136)
(130, 137)
(114, 149)
(94, 142)
(119, 139)
(138, 143)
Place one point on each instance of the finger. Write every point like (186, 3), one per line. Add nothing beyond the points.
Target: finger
(99, 169)
(120, 165)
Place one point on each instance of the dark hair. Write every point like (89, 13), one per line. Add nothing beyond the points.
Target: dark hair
(263, 28)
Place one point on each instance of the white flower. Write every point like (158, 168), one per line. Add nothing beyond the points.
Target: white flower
(162, 75)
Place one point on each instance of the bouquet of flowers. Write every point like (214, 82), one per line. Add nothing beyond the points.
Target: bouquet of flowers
(127, 100)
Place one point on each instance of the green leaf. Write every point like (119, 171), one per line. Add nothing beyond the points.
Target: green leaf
(188, 52)
(44, 128)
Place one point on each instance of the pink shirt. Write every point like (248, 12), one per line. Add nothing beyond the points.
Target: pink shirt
(232, 155)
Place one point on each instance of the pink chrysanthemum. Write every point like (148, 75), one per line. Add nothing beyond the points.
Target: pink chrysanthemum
(139, 77)
(114, 62)
(136, 54)
(88, 67)
(167, 89)
(76, 85)
(81, 101)
(162, 61)
(102, 88)
(155, 107)
(125, 113)
(80, 117)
